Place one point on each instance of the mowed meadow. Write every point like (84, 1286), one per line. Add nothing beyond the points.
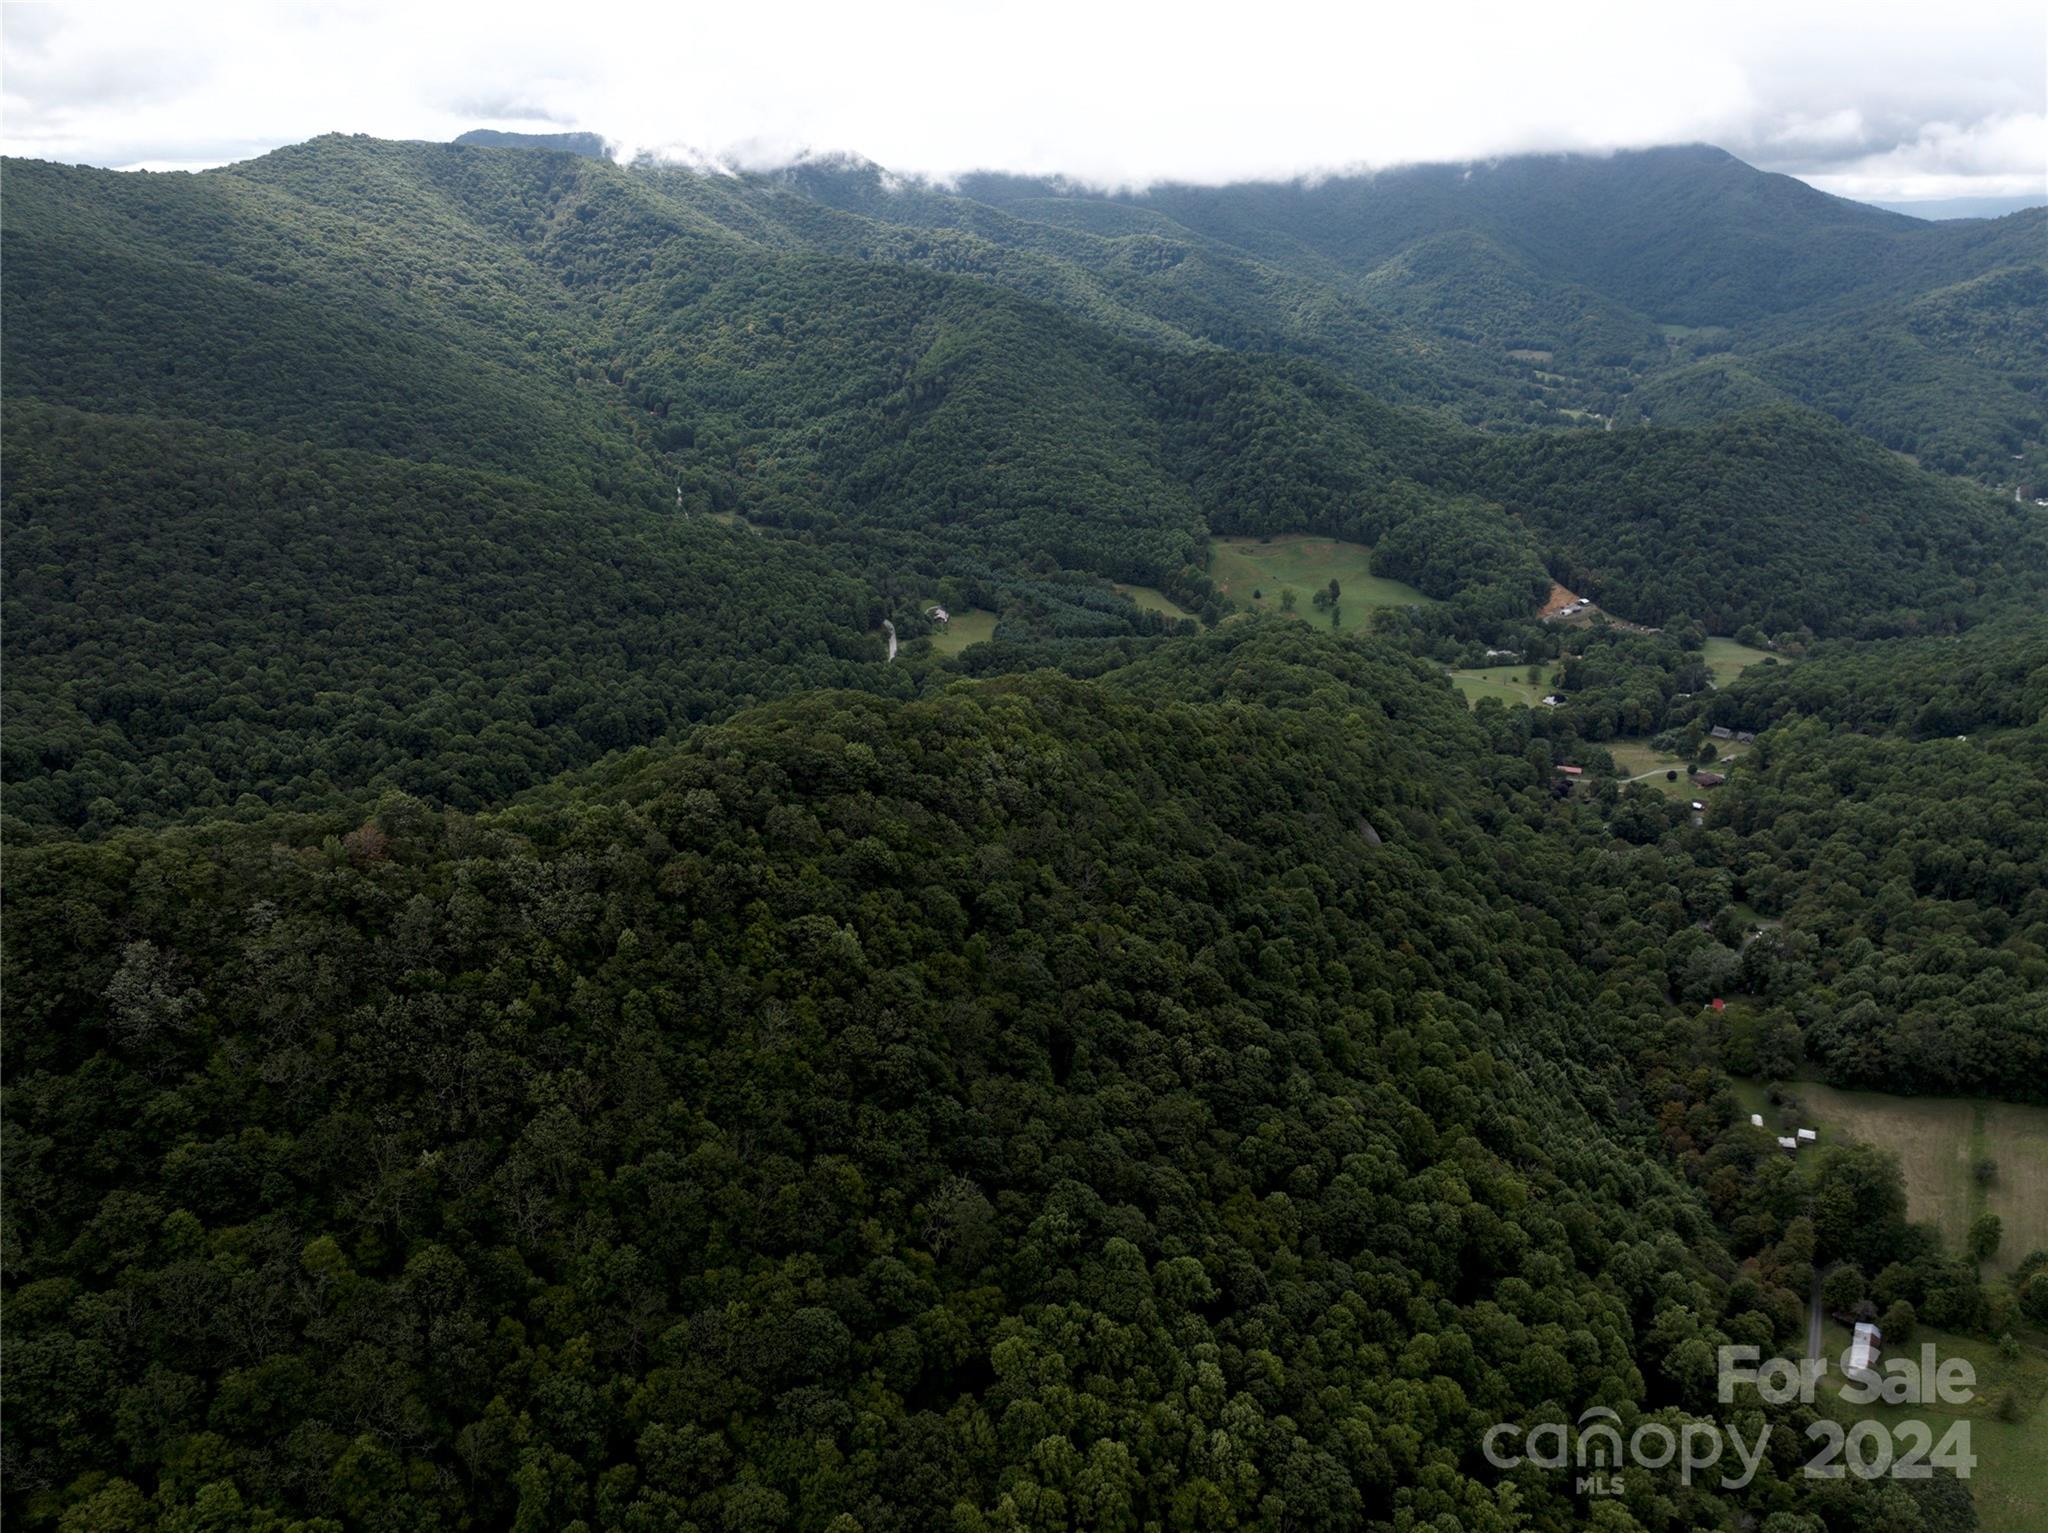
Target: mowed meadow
(1728, 659)
(1257, 573)
(1509, 683)
(1939, 1141)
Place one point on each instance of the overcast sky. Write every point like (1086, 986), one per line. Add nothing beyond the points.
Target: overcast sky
(1883, 102)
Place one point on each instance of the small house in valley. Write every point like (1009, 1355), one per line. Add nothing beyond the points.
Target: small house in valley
(1864, 1346)
(1722, 732)
(938, 614)
(1710, 779)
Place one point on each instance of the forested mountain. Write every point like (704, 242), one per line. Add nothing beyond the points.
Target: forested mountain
(537, 998)
(1182, 1100)
(1778, 519)
(1010, 405)
(202, 615)
(1925, 336)
(590, 145)
(1953, 376)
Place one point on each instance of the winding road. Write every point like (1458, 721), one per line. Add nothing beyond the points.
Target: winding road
(892, 637)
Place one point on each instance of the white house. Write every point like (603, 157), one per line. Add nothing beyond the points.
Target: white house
(938, 614)
(1756, 1120)
(1787, 1142)
(1808, 1134)
(1864, 1347)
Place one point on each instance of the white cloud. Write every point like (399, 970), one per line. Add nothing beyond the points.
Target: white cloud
(1947, 159)
(1873, 93)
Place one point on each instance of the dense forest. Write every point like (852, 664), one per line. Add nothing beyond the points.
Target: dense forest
(546, 990)
(1176, 1099)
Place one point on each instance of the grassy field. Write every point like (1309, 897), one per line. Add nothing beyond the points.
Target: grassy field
(1634, 757)
(1509, 683)
(1938, 1140)
(2010, 1480)
(1150, 600)
(968, 627)
(1727, 660)
(1304, 565)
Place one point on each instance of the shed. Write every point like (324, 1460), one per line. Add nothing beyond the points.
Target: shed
(1787, 1142)
(1710, 779)
(1756, 1120)
(1745, 737)
(1807, 1133)
(1572, 771)
(1722, 732)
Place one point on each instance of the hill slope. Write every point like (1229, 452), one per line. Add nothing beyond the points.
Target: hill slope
(446, 407)
(1586, 258)
(1043, 1094)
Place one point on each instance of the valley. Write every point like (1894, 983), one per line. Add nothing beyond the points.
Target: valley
(717, 846)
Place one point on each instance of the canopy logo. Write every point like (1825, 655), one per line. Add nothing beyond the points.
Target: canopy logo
(1595, 1443)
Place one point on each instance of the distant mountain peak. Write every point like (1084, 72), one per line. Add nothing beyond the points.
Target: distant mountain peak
(590, 145)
